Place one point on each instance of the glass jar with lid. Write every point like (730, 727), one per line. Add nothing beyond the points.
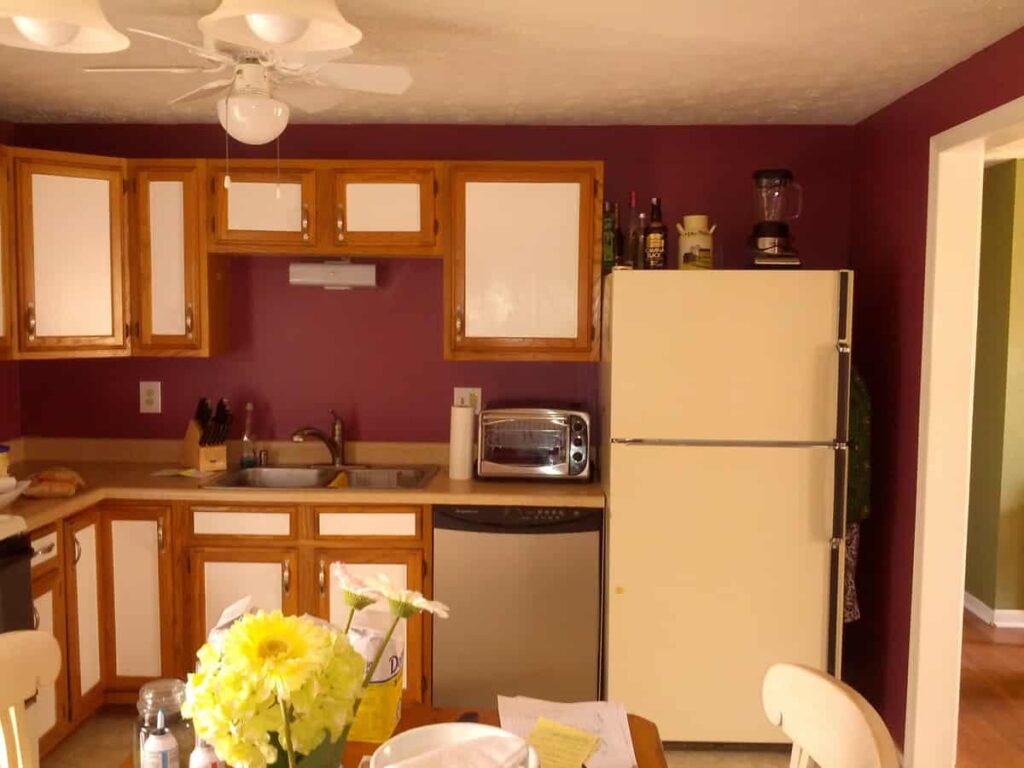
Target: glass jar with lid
(167, 695)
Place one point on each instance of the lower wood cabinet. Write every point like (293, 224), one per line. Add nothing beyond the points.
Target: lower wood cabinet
(48, 713)
(404, 569)
(221, 576)
(138, 588)
(83, 567)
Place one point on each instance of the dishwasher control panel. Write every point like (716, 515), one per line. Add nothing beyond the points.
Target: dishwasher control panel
(515, 517)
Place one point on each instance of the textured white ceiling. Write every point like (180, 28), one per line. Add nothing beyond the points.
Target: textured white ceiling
(561, 61)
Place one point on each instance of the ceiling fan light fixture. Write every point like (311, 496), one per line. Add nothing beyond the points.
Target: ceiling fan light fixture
(59, 26)
(252, 119)
(276, 28)
(296, 26)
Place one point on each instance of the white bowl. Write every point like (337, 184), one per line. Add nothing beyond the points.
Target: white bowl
(428, 737)
(8, 498)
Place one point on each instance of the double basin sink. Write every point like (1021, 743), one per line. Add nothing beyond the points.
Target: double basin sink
(355, 476)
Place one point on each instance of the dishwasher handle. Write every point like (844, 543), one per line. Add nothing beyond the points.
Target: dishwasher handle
(519, 520)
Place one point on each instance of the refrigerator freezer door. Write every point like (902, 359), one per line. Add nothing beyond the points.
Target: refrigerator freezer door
(724, 355)
(719, 567)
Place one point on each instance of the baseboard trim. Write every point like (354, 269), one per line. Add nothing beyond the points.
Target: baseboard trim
(1004, 618)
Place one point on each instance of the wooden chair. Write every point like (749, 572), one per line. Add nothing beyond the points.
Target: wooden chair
(831, 725)
(28, 660)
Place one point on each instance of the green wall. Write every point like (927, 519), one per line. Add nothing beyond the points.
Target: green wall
(995, 544)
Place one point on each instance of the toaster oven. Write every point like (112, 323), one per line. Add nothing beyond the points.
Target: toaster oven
(534, 442)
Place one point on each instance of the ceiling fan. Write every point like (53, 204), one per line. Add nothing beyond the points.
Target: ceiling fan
(257, 86)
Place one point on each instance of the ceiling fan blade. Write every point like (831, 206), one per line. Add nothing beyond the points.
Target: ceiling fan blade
(310, 99)
(207, 89)
(369, 78)
(197, 50)
(171, 70)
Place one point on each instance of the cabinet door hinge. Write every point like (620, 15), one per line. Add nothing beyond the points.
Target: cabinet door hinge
(213, 185)
(188, 565)
(213, 224)
(437, 226)
(437, 188)
(423, 687)
(423, 568)
(125, 186)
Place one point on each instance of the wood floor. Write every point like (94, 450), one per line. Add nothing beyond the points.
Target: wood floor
(991, 731)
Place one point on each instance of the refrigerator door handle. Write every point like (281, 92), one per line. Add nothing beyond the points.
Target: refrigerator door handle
(836, 553)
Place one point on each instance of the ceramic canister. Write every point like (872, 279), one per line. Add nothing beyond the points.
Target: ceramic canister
(695, 243)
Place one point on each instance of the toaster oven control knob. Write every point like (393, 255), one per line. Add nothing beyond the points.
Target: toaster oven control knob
(577, 441)
(577, 457)
(577, 425)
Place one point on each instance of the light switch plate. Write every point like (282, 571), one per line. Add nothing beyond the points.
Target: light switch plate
(149, 397)
(469, 396)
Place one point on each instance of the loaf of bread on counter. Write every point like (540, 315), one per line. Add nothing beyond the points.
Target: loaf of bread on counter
(54, 483)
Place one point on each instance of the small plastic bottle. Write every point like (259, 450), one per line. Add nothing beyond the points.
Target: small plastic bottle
(160, 749)
(203, 756)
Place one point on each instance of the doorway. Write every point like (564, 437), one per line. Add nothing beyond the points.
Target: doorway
(957, 162)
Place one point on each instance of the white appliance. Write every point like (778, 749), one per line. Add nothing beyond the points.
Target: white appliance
(332, 275)
(724, 404)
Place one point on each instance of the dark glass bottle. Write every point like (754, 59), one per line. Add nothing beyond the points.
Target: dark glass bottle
(607, 239)
(655, 238)
(621, 259)
(633, 255)
(641, 242)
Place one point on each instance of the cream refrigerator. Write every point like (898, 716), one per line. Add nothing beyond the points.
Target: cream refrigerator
(724, 408)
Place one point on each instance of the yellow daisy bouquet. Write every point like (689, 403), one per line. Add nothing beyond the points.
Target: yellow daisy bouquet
(276, 690)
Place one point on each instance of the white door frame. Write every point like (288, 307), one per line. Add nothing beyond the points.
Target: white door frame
(956, 174)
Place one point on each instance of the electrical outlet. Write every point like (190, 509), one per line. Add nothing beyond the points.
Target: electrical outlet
(469, 396)
(149, 397)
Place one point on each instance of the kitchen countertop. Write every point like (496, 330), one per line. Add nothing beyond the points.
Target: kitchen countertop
(135, 482)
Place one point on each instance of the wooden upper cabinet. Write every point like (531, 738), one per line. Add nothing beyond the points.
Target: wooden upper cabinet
(386, 208)
(6, 260)
(263, 208)
(178, 293)
(70, 254)
(523, 279)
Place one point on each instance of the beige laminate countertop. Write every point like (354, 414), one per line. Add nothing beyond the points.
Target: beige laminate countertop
(135, 482)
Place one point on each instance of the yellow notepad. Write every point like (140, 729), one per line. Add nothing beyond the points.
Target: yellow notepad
(560, 746)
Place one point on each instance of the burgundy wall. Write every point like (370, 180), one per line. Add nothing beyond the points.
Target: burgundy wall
(888, 253)
(377, 355)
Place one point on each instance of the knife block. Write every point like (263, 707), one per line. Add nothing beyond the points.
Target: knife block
(205, 458)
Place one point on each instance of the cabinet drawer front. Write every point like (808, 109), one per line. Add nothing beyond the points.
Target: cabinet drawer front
(242, 521)
(48, 548)
(369, 523)
(42, 713)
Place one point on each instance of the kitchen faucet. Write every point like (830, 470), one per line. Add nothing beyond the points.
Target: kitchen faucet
(335, 443)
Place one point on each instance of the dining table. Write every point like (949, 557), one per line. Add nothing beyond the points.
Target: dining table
(646, 740)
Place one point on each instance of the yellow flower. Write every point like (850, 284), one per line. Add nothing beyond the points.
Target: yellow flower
(276, 652)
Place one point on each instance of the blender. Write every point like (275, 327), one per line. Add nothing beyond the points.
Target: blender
(777, 200)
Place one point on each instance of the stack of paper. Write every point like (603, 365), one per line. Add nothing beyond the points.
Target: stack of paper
(520, 715)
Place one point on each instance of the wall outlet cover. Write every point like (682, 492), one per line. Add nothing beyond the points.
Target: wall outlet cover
(149, 397)
(469, 396)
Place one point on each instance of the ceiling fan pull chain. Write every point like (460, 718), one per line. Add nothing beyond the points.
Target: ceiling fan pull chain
(227, 143)
(277, 147)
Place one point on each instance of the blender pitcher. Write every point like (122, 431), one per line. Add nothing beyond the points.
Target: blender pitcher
(776, 196)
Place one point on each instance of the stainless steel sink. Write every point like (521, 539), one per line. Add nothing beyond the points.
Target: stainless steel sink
(276, 477)
(411, 477)
(357, 476)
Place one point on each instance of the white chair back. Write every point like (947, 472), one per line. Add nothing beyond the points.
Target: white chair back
(28, 660)
(830, 724)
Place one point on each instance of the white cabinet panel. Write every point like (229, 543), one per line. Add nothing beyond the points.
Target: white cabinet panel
(87, 604)
(167, 257)
(522, 253)
(71, 256)
(378, 616)
(382, 207)
(367, 523)
(257, 206)
(218, 523)
(226, 582)
(42, 714)
(135, 558)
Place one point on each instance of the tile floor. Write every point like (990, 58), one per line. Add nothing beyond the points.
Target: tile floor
(104, 741)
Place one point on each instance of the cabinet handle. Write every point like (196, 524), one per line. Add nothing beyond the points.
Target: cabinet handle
(322, 578)
(160, 535)
(189, 319)
(341, 222)
(43, 550)
(35, 617)
(137, 329)
(286, 576)
(78, 550)
(305, 221)
(458, 323)
(30, 320)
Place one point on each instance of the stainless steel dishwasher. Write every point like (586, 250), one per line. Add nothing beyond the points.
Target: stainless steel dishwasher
(524, 587)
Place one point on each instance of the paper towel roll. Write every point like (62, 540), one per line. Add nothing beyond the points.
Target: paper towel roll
(460, 442)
